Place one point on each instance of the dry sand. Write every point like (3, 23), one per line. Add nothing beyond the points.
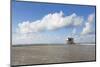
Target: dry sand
(23, 55)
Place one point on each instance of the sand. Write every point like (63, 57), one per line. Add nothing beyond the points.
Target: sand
(25, 55)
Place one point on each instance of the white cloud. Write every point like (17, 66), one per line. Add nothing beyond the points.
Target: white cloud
(36, 38)
(78, 20)
(91, 18)
(50, 22)
(25, 30)
(74, 32)
(89, 38)
(88, 25)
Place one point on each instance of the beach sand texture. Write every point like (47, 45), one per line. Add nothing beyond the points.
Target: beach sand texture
(42, 54)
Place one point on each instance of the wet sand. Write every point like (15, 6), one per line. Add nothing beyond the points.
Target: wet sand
(23, 55)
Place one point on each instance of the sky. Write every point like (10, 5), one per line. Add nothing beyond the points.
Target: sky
(48, 23)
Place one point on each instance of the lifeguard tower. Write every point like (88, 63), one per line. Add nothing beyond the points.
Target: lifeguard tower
(70, 40)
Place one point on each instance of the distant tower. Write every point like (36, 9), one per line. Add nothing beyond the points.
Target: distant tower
(70, 40)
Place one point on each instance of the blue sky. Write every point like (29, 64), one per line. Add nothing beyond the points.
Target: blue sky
(26, 15)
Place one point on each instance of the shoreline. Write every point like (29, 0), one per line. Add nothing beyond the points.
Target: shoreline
(13, 45)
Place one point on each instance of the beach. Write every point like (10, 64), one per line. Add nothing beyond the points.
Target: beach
(44, 54)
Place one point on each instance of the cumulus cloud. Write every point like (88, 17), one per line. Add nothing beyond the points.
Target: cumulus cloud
(88, 25)
(91, 18)
(50, 21)
(30, 32)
